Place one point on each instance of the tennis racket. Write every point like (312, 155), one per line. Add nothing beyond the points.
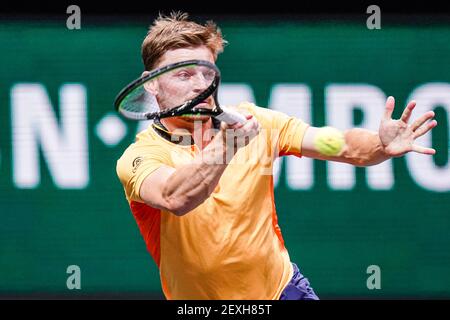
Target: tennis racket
(187, 88)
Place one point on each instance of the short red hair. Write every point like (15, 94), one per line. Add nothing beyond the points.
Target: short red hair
(176, 31)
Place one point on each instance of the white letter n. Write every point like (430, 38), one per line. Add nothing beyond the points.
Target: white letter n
(35, 125)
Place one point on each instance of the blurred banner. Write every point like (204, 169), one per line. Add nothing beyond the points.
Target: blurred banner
(62, 207)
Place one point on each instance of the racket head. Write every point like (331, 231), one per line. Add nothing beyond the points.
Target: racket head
(173, 90)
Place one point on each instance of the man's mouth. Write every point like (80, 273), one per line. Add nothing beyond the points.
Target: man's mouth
(203, 104)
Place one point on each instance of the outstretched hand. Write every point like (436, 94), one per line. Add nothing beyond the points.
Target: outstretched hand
(398, 137)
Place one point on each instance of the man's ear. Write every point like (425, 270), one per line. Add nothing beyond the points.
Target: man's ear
(150, 86)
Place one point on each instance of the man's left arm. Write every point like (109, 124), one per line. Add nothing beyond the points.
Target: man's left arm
(361, 147)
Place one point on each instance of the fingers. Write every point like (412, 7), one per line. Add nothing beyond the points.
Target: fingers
(407, 112)
(242, 129)
(420, 121)
(424, 129)
(238, 125)
(423, 150)
(250, 128)
(390, 103)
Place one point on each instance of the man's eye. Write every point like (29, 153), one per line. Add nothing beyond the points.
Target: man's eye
(209, 76)
(183, 75)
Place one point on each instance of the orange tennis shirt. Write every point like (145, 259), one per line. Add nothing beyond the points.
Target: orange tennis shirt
(230, 246)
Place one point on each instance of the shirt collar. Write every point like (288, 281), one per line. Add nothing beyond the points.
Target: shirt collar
(184, 140)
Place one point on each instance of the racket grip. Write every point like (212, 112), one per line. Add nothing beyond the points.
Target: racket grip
(231, 117)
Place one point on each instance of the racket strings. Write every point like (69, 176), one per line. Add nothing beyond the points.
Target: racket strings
(175, 86)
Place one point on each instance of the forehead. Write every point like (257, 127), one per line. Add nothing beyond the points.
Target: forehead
(182, 54)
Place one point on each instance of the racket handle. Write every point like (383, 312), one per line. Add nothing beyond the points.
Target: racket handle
(231, 117)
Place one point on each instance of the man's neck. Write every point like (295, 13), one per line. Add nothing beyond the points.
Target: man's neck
(201, 131)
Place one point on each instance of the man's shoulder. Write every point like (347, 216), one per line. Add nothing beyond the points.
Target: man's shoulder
(245, 106)
(252, 108)
(146, 141)
(147, 146)
(264, 116)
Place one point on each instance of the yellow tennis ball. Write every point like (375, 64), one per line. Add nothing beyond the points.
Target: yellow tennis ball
(329, 141)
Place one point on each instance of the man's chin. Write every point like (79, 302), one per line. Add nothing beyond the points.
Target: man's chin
(194, 118)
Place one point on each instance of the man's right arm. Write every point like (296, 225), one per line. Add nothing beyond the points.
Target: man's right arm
(182, 189)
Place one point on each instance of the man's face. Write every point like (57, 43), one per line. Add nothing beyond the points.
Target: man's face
(173, 89)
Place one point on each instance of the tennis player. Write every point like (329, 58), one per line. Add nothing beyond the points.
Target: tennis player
(208, 219)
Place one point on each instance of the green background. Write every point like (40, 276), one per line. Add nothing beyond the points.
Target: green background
(332, 235)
